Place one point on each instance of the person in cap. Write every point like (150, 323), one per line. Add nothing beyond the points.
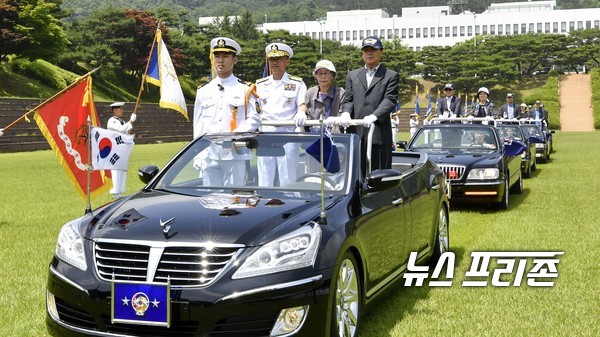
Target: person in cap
(413, 123)
(324, 99)
(538, 112)
(450, 105)
(523, 113)
(509, 110)
(222, 105)
(116, 123)
(281, 97)
(483, 107)
(371, 95)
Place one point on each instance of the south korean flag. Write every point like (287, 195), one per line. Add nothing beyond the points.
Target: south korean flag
(110, 149)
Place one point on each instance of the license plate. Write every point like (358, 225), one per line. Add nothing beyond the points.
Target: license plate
(141, 303)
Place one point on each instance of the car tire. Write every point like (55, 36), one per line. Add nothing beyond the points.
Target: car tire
(442, 237)
(518, 186)
(528, 172)
(534, 165)
(503, 204)
(347, 298)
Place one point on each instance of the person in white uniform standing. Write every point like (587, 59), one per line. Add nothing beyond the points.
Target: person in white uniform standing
(116, 123)
(281, 97)
(221, 105)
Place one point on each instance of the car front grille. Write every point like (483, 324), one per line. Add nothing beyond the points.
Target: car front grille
(182, 266)
(452, 172)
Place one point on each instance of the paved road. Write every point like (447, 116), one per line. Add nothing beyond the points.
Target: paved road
(576, 103)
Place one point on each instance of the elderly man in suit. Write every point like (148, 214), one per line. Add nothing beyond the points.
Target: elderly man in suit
(371, 95)
(450, 106)
(509, 110)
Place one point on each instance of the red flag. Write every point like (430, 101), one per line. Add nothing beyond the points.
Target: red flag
(63, 122)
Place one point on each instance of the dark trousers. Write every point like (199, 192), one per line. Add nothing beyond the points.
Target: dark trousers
(381, 157)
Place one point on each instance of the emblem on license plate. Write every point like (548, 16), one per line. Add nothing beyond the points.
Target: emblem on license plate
(141, 303)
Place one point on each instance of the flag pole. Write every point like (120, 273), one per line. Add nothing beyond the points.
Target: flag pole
(77, 81)
(322, 219)
(137, 102)
(88, 207)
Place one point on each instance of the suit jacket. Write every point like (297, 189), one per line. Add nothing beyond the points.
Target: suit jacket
(455, 105)
(379, 99)
(503, 113)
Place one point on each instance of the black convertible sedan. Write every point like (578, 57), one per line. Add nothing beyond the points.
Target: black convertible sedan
(511, 131)
(193, 256)
(479, 166)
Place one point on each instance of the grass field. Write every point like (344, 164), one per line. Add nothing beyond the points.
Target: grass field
(558, 211)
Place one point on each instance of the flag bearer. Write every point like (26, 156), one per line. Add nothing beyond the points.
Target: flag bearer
(116, 123)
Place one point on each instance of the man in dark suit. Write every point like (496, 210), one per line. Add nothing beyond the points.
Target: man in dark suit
(450, 106)
(509, 110)
(371, 95)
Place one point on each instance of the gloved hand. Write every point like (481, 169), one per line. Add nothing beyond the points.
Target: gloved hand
(133, 117)
(331, 121)
(470, 118)
(368, 120)
(344, 119)
(1, 132)
(300, 118)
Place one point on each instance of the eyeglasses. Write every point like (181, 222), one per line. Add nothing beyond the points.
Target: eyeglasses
(448, 89)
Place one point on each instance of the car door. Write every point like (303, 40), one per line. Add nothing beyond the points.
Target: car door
(383, 222)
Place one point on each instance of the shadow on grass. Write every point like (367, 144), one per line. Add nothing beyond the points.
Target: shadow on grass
(397, 302)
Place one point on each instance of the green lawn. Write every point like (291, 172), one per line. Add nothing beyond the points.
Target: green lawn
(558, 211)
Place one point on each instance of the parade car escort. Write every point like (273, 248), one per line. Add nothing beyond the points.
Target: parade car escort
(511, 131)
(479, 166)
(183, 257)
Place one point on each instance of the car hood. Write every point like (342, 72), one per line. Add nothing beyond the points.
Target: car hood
(479, 160)
(218, 218)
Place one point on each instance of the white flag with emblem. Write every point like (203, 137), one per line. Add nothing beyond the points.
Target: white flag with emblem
(110, 149)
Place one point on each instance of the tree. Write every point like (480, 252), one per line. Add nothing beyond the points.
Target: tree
(29, 29)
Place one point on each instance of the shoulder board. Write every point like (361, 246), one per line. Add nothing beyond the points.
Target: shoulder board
(295, 78)
(262, 80)
(201, 85)
(245, 83)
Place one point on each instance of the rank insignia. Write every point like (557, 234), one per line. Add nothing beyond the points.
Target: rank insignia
(289, 86)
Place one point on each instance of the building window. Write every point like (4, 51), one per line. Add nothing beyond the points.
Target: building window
(596, 24)
(563, 27)
(440, 31)
(454, 31)
(369, 32)
(418, 33)
(539, 27)
(516, 28)
(396, 32)
(588, 25)
(499, 29)
(354, 35)
(555, 27)
(571, 26)
(418, 48)
(314, 35)
(425, 32)
(347, 35)
(579, 24)
(477, 30)
(523, 28)
(382, 33)
(508, 32)
(410, 33)
(530, 30)
(484, 29)
(469, 31)
(389, 34)
(432, 30)
(404, 33)
(362, 34)
(333, 36)
(493, 29)
(462, 30)
(447, 32)
(547, 27)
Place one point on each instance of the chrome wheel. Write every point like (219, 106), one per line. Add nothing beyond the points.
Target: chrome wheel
(347, 298)
(443, 237)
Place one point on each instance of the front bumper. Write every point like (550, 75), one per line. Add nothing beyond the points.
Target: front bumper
(477, 192)
(85, 310)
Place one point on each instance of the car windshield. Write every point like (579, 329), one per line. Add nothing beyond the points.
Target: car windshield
(279, 162)
(454, 138)
(510, 132)
(531, 130)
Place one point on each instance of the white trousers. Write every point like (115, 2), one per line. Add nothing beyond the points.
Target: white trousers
(119, 181)
(286, 166)
(224, 173)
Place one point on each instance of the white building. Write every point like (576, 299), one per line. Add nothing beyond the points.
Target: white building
(436, 26)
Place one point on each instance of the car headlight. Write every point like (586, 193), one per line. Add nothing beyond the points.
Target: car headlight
(295, 250)
(483, 173)
(524, 154)
(540, 145)
(70, 246)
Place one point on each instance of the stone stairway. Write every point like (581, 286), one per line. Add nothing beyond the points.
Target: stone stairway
(575, 96)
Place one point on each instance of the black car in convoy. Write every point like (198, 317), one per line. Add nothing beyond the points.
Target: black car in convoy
(511, 131)
(479, 166)
(542, 139)
(180, 258)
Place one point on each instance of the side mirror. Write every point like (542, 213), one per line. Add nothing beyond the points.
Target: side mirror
(146, 173)
(402, 144)
(384, 179)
